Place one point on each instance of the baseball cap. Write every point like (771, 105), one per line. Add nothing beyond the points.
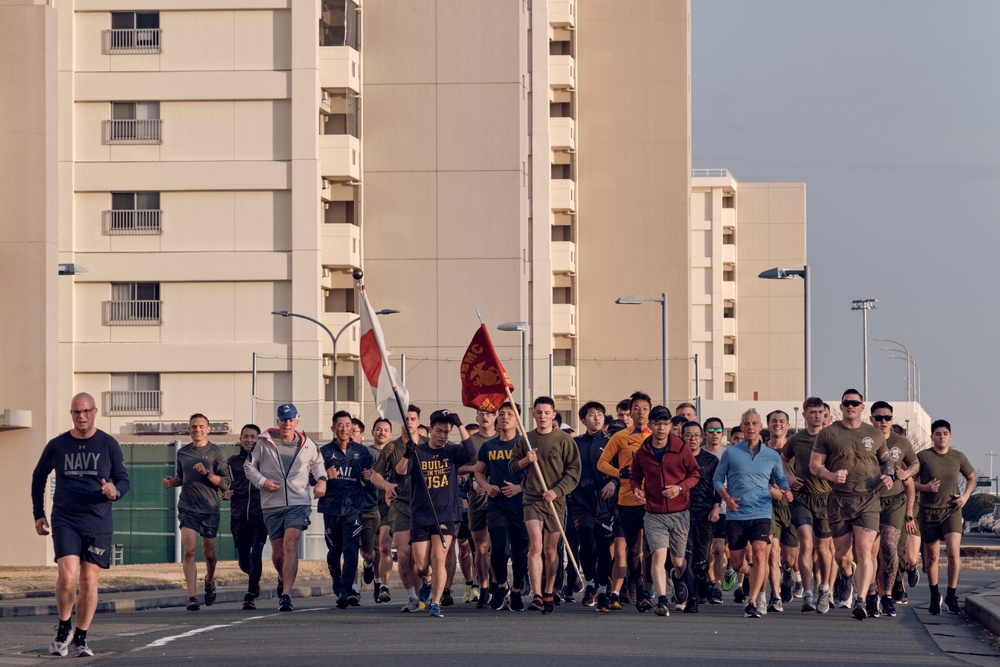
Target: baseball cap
(287, 411)
(659, 413)
(615, 425)
(566, 427)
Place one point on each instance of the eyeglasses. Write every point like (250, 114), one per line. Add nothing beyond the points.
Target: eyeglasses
(692, 436)
(851, 404)
(713, 429)
(882, 418)
(77, 413)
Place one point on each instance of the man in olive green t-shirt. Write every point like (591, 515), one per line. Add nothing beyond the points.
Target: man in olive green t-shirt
(941, 510)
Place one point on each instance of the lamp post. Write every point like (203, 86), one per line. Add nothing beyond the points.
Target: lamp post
(916, 392)
(783, 274)
(864, 305)
(523, 328)
(910, 393)
(633, 299)
(285, 313)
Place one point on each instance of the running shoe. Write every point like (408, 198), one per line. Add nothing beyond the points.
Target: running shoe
(776, 605)
(692, 605)
(859, 611)
(935, 605)
(951, 601)
(913, 577)
(476, 593)
(557, 598)
(497, 598)
(662, 606)
(80, 648)
(715, 596)
(590, 597)
(871, 605)
(354, 599)
(680, 588)
(904, 599)
(60, 645)
(425, 591)
(785, 589)
(614, 602)
(847, 592)
(898, 590)
(436, 611)
(342, 602)
(750, 611)
(762, 603)
(368, 576)
(484, 601)
(467, 595)
(383, 594)
(807, 602)
(644, 605)
(192, 604)
(729, 580)
(888, 606)
(516, 603)
(797, 589)
(412, 607)
(210, 593)
(536, 603)
(285, 603)
(739, 597)
(823, 602)
(248, 602)
(602, 602)
(567, 595)
(446, 599)
(548, 604)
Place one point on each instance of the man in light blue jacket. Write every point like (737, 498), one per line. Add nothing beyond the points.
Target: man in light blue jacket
(743, 480)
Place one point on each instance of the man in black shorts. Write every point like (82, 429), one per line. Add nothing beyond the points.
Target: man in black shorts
(246, 518)
(704, 513)
(202, 471)
(90, 475)
(437, 463)
(722, 575)
(784, 551)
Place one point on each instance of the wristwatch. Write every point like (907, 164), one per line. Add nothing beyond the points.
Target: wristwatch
(909, 518)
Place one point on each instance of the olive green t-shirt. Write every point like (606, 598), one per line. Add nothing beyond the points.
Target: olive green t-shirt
(902, 453)
(779, 502)
(558, 459)
(798, 449)
(477, 501)
(861, 451)
(385, 465)
(945, 467)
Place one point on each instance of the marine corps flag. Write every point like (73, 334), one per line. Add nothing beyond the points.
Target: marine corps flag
(484, 381)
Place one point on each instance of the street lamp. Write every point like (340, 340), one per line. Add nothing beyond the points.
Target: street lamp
(285, 313)
(782, 274)
(864, 305)
(523, 328)
(910, 393)
(633, 299)
(915, 365)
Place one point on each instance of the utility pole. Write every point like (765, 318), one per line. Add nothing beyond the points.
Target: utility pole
(864, 305)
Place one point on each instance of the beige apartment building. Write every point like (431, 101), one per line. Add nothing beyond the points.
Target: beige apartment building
(207, 162)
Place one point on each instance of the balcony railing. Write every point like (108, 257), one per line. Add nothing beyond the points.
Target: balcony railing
(134, 313)
(131, 40)
(119, 403)
(709, 173)
(120, 223)
(133, 131)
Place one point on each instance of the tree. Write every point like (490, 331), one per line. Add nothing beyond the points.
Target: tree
(978, 505)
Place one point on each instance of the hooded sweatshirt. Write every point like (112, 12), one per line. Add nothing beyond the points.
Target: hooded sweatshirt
(672, 465)
(265, 462)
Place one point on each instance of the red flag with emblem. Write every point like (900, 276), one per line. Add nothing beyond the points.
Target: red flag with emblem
(484, 381)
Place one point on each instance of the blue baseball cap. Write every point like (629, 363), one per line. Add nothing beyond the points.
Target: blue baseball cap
(287, 411)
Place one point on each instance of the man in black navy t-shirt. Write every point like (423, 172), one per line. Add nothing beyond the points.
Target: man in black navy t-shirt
(437, 462)
(90, 475)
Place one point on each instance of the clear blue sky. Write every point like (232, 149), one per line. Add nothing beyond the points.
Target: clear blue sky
(889, 112)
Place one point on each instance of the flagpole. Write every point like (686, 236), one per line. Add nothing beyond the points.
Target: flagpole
(552, 507)
(406, 435)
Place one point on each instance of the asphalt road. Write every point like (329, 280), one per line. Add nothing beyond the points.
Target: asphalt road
(317, 633)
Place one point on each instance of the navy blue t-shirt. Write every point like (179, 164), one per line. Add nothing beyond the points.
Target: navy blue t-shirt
(440, 471)
(345, 495)
(80, 465)
(496, 454)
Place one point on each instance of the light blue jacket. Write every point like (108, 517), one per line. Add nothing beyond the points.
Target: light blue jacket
(749, 478)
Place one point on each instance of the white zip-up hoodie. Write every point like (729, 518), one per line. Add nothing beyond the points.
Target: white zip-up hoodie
(264, 463)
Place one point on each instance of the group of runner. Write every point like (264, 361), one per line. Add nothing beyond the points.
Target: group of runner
(617, 513)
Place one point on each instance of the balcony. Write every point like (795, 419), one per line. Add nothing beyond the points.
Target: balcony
(562, 73)
(729, 327)
(562, 134)
(563, 195)
(338, 68)
(131, 40)
(147, 131)
(728, 253)
(562, 13)
(132, 222)
(347, 342)
(729, 218)
(728, 290)
(729, 363)
(338, 157)
(132, 313)
(563, 319)
(563, 257)
(564, 381)
(340, 245)
(124, 403)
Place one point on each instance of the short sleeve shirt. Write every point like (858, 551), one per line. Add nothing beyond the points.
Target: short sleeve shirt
(860, 451)
(944, 467)
(901, 452)
(798, 449)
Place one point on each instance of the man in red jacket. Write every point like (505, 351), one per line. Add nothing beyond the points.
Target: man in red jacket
(670, 472)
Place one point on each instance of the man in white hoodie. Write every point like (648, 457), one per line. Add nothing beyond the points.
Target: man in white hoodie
(279, 466)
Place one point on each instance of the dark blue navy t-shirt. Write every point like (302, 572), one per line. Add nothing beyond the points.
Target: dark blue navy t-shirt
(344, 493)
(496, 454)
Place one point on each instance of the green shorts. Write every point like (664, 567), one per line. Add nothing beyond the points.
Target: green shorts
(893, 510)
(810, 510)
(936, 523)
(850, 511)
(399, 516)
(782, 527)
(369, 529)
(383, 513)
(477, 517)
(540, 511)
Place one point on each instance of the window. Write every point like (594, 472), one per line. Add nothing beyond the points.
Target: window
(338, 23)
(133, 213)
(133, 394)
(133, 123)
(133, 304)
(133, 32)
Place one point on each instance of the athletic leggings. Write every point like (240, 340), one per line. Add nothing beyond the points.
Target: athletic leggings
(595, 553)
(507, 532)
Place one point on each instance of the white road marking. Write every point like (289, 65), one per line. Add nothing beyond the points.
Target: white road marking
(163, 641)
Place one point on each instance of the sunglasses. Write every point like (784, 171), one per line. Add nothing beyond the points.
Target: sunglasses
(882, 418)
(852, 404)
(712, 429)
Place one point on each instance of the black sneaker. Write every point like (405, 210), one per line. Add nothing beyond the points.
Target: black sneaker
(680, 588)
(644, 605)
(280, 588)
(739, 597)
(785, 589)
(497, 596)
(623, 596)
(536, 603)
(192, 604)
(210, 593)
(951, 601)
(354, 599)
(662, 606)
(715, 596)
(556, 598)
(614, 602)
(383, 594)
(590, 597)
(446, 599)
(859, 611)
(248, 603)
(548, 604)
(368, 575)
(935, 606)
(567, 596)
(342, 602)
(750, 611)
(285, 602)
(897, 590)
(904, 599)
(692, 605)
(516, 603)
(871, 605)
(602, 602)
(888, 606)
(913, 577)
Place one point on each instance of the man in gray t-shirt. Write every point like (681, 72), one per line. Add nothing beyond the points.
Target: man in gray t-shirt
(202, 472)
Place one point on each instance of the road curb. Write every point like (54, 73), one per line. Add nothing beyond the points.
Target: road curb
(984, 608)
